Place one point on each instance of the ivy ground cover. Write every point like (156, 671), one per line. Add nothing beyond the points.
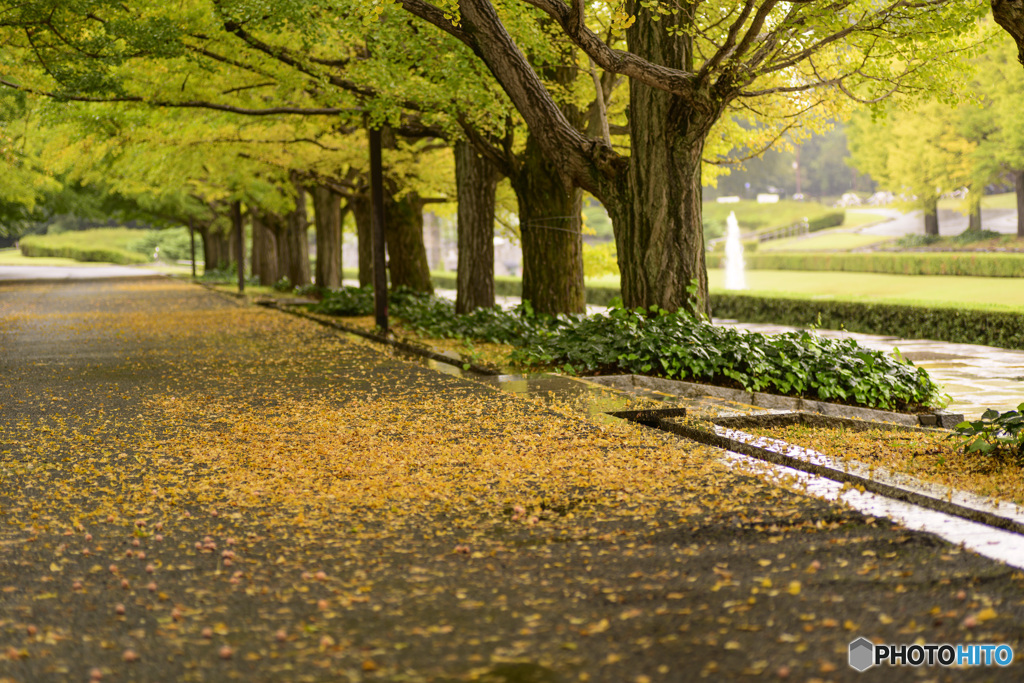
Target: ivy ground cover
(674, 345)
(194, 490)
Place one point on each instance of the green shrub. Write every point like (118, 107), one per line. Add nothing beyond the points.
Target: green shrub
(660, 343)
(676, 345)
(958, 325)
(995, 433)
(977, 264)
(36, 246)
(830, 219)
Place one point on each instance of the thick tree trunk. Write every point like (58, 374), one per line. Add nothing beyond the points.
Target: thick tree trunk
(1018, 181)
(550, 229)
(931, 216)
(264, 250)
(1010, 15)
(476, 180)
(403, 231)
(215, 249)
(659, 232)
(360, 205)
(297, 237)
(327, 209)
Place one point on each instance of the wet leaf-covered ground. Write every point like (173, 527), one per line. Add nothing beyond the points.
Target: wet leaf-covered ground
(196, 490)
(932, 456)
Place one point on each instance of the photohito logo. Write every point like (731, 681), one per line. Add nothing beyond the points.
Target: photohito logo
(864, 654)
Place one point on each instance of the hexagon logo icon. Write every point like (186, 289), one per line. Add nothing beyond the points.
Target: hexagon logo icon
(862, 654)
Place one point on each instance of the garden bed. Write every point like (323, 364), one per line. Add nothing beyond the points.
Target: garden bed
(920, 466)
(653, 343)
(928, 455)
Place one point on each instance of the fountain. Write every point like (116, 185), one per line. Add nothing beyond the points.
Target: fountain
(735, 277)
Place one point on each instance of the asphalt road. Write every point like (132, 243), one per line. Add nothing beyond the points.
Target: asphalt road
(194, 490)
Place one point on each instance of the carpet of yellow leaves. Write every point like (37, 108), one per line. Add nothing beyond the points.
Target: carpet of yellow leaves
(197, 490)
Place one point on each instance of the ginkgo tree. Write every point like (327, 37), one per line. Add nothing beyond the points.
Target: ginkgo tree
(918, 152)
(686, 65)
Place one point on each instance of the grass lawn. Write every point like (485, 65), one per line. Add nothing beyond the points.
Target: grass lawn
(856, 218)
(936, 290)
(826, 240)
(1007, 200)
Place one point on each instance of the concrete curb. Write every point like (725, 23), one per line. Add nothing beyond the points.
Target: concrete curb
(948, 500)
(775, 402)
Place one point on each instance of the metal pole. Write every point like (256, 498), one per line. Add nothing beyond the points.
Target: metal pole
(380, 280)
(236, 220)
(192, 244)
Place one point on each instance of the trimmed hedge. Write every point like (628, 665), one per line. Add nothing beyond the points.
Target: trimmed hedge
(31, 248)
(832, 219)
(977, 264)
(1004, 329)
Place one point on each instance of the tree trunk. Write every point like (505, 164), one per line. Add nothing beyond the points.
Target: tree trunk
(297, 236)
(1010, 15)
(215, 249)
(264, 250)
(327, 209)
(550, 228)
(656, 211)
(360, 205)
(974, 219)
(476, 180)
(931, 216)
(1018, 181)
(237, 241)
(403, 231)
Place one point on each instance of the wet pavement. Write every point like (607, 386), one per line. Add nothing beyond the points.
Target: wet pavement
(200, 490)
(37, 273)
(975, 377)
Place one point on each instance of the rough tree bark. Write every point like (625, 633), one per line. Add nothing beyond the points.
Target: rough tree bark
(476, 180)
(359, 202)
(550, 228)
(659, 232)
(1009, 14)
(403, 231)
(327, 217)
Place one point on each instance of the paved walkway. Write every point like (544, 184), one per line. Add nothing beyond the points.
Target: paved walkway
(22, 273)
(198, 490)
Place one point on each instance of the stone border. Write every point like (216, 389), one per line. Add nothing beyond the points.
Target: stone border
(759, 399)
